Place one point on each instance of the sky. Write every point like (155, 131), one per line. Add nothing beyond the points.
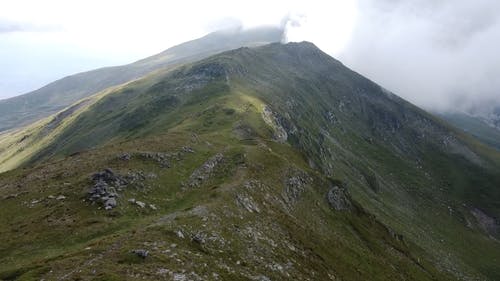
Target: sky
(441, 55)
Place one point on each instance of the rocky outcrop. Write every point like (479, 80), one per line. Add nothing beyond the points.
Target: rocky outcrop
(339, 199)
(294, 185)
(105, 188)
(162, 158)
(247, 202)
(141, 253)
(205, 171)
(280, 135)
(486, 223)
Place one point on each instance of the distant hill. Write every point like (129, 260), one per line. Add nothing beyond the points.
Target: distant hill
(25, 109)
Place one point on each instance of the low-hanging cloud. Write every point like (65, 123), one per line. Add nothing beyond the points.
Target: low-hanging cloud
(9, 26)
(442, 55)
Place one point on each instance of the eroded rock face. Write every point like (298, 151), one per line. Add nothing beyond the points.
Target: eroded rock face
(272, 120)
(205, 171)
(488, 224)
(338, 198)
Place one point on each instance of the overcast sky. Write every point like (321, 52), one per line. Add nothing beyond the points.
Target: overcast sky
(437, 54)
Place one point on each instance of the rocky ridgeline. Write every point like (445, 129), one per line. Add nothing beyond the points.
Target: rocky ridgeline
(162, 158)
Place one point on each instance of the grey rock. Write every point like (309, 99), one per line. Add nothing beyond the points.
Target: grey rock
(330, 116)
(140, 204)
(161, 158)
(198, 238)
(125, 156)
(295, 185)
(338, 199)
(247, 203)
(272, 120)
(187, 149)
(108, 177)
(135, 177)
(487, 223)
(205, 171)
(141, 253)
(104, 191)
(110, 203)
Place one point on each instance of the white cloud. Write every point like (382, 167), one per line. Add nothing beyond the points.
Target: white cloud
(441, 55)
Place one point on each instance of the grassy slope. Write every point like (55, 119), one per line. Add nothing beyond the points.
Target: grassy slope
(283, 240)
(399, 163)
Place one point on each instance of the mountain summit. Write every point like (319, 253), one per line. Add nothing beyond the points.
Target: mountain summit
(273, 162)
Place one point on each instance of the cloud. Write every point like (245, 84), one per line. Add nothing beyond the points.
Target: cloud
(441, 55)
(329, 24)
(10, 26)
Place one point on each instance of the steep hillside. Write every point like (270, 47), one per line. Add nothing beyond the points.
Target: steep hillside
(486, 130)
(266, 163)
(25, 109)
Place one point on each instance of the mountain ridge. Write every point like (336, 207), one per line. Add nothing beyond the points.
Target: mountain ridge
(27, 108)
(282, 130)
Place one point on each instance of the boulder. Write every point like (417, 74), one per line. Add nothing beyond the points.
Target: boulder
(140, 204)
(141, 253)
(125, 156)
(187, 149)
(338, 198)
(110, 203)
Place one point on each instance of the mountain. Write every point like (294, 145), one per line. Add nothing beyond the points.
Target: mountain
(486, 129)
(268, 163)
(25, 109)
